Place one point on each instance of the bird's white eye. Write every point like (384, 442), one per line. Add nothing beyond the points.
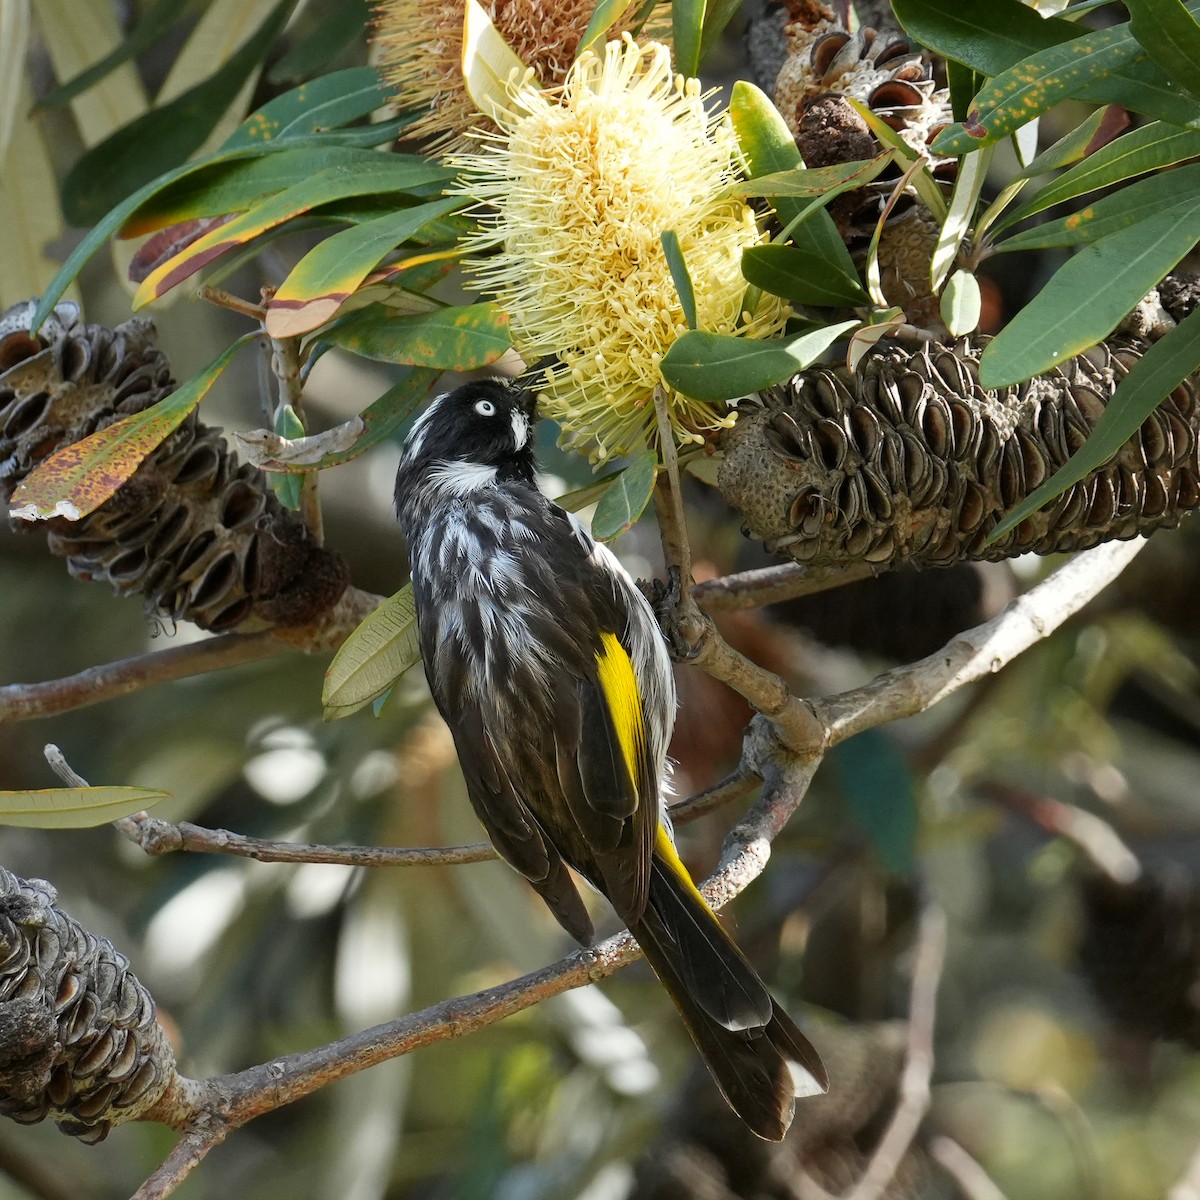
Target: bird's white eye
(485, 408)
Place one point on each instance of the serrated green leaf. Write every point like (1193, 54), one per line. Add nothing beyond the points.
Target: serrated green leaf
(341, 25)
(626, 497)
(1086, 298)
(801, 277)
(1164, 365)
(680, 275)
(75, 808)
(1034, 85)
(880, 790)
(325, 278)
(78, 478)
(453, 339)
(324, 103)
(768, 148)
(1130, 206)
(1146, 149)
(687, 25)
(163, 137)
(1171, 36)
(961, 303)
(157, 19)
(373, 657)
(718, 366)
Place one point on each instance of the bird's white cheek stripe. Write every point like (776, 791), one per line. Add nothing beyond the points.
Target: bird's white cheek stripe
(462, 478)
(520, 428)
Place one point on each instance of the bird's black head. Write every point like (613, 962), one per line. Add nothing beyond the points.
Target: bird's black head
(480, 432)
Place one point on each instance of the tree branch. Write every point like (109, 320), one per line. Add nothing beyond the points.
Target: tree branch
(773, 585)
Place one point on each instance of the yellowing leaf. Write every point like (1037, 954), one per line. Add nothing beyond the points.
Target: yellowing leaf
(14, 40)
(373, 657)
(488, 63)
(75, 808)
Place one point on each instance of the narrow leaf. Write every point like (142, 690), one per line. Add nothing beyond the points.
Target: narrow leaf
(961, 303)
(452, 339)
(165, 136)
(1087, 297)
(488, 62)
(1171, 36)
(326, 102)
(75, 808)
(680, 275)
(14, 41)
(77, 479)
(373, 657)
(687, 25)
(288, 488)
(800, 276)
(963, 83)
(590, 493)
(916, 166)
(813, 181)
(1146, 149)
(382, 174)
(717, 15)
(337, 29)
(626, 497)
(718, 366)
(972, 173)
(1165, 364)
(1035, 85)
(604, 16)
(1086, 138)
(325, 278)
(1129, 206)
(768, 147)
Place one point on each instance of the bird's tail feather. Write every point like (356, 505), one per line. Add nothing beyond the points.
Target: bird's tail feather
(757, 1056)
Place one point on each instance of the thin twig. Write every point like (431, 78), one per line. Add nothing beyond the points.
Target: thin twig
(676, 546)
(773, 585)
(184, 1158)
(224, 299)
(918, 1067)
(972, 1180)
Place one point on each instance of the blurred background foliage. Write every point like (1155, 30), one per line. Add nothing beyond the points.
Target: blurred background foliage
(1066, 1036)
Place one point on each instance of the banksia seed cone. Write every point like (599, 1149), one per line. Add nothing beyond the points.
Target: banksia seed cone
(200, 537)
(1141, 952)
(78, 1038)
(909, 459)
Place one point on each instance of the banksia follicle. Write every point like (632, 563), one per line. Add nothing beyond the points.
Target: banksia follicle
(909, 459)
(199, 536)
(79, 1041)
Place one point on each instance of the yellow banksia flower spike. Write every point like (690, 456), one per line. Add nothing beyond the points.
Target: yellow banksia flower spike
(574, 195)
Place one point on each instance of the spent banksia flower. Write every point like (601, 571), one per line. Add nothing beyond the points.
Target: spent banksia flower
(575, 192)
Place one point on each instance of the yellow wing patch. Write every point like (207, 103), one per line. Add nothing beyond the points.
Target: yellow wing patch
(619, 685)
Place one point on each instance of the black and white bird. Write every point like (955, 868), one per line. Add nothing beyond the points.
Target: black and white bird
(548, 666)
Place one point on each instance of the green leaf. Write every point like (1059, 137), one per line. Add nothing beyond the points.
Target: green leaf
(381, 174)
(75, 808)
(626, 497)
(1165, 364)
(1146, 149)
(341, 25)
(687, 25)
(325, 278)
(813, 181)
(963, 83)
(1087, 297)
(968, 186)
(801, 277)
(718, 366)
(163, 137)
(157, 19)
(1035, 85)
(452, 339)
(78, 478)
(680, 276)
(588, 494)
(1131, 205)
(326, 102)
(604, 16)
(880, 790)
(373, 657)
(717, 15)
(1171, 36)
(1086, 138)
(768, 147)
(961, 303)
(288, 488)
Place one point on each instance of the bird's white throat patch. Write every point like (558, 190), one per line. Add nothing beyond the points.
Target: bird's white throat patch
(462, 478)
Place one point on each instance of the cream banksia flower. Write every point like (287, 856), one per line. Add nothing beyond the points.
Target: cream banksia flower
(576, 191)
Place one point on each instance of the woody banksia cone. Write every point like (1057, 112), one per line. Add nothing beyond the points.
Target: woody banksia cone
(79, 1041)
(199, 536)
(909, 459)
